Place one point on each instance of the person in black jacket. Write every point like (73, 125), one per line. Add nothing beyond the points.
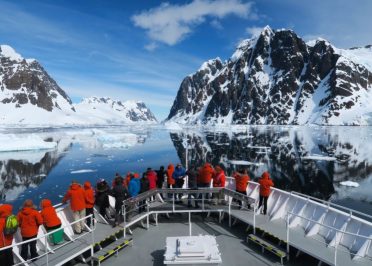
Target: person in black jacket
(160, 174)
(102, 200)
(120, 193)
(192, 174)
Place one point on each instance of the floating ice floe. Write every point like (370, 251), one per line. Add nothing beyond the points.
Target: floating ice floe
(10, 142)
(349, 184)
(83, 171)
(318, 158)
(240, 162)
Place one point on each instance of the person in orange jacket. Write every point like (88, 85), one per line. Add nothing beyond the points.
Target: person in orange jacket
(89, 201)
(219, 179)
(50, 219)
(169, 173)
(76, 196)
(29, 220)
(241, 183)
(265, 184)
(6, 256)
(205, 175)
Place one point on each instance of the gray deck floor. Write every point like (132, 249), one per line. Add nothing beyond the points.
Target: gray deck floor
(149, 245)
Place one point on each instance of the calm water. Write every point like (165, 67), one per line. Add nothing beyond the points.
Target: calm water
(311, 160)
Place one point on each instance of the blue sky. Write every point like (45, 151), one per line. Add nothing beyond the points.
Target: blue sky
(141, 50)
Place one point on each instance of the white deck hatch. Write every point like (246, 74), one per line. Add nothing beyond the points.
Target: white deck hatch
(192, 250)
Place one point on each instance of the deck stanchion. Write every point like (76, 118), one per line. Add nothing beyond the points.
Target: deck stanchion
(287, 236)
(254, 219)
(189, 223)
(124, 222)
(230, 211)
(203, 201)
(173, 207)
(148, 215)
(336, 245)
(46, 251)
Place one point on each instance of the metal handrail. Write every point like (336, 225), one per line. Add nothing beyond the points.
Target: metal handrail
(329, 227)
(351, 211)
(45, 236)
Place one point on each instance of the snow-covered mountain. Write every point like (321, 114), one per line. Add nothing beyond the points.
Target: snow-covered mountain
(29, 96)
(106, 110)
(277, 78)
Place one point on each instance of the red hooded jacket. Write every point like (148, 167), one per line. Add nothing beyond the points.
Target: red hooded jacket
(205, 174)
(5, 210)
(241, 181)
(49, 214)
(265, 184)
(89, 195)
(219, 177)
(29, 221)
(152, 177)
(76, 196)
(170, 171)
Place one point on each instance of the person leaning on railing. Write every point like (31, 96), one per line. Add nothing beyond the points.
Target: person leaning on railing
(51, 221)
(89, 202)
(241, 181)
(29, 221)
(192, 174)
(179, 176)
(205, 177)
(6, 255)
(219, 179)
(265, 184)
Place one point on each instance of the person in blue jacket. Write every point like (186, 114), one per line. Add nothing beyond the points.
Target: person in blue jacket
(134, 186)
(179, 176)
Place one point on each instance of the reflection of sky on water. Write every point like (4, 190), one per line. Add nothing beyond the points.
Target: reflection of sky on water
(309, 160)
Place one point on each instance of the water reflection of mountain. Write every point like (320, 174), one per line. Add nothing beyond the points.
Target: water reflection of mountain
(307, 160)
(20, 170)
(18, 175)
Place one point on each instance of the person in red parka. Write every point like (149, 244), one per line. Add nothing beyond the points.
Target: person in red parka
(205, 177)
(219, 179)
(6, 256)
(241, 182)
(89, 201)
(76, 195)
(152, 177)
(29, 220)
(50, 219)
(265, 184)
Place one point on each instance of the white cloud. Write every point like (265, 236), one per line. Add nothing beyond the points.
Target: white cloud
(172, 23)
(254, 31)
(151, 46)
(216, 24)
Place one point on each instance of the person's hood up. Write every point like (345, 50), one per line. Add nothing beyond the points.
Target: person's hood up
(5, 210)
(45, 203)
(27, 210)
(75, 186)
(87, 185)
(218, 169)
(171, 167)
(265, 175)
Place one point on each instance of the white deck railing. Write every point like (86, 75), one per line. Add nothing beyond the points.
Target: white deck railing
(43, 243)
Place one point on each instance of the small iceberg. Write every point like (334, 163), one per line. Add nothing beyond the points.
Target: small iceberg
(349, 184)
(318, 158)
(83, 171)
